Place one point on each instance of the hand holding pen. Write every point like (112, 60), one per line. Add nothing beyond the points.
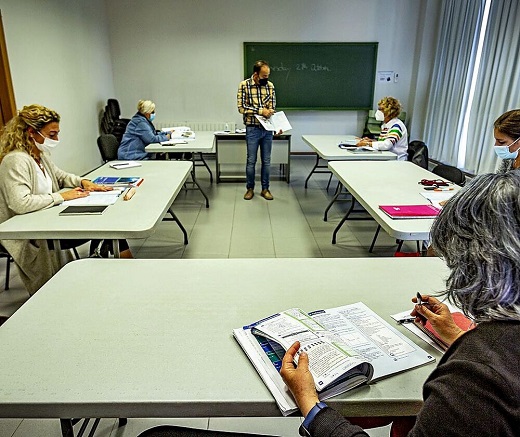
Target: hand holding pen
(428, 308)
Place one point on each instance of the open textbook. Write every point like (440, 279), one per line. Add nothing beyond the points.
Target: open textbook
(347, 346)
(277, 122)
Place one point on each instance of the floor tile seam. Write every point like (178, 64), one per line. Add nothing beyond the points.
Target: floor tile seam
(308, 223)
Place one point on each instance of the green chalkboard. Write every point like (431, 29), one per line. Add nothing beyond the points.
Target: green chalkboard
(333, 76)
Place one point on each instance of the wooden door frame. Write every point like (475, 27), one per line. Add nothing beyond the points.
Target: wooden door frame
(7, 101)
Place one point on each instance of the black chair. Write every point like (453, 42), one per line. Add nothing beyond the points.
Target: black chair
(453, 174)
(108, 145)
(418, 153)
(8, 259)
(114, 111)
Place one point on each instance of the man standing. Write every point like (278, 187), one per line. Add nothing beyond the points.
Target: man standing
(256, 97)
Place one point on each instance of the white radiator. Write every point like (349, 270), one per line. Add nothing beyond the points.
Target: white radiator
(210, 126)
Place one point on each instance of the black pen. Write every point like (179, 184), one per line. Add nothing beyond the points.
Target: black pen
(405, 320)
(419, 299)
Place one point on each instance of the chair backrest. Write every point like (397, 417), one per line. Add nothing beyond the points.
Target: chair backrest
(373, 127)
(108, 145)
(451, 173)
(418, 153)
(113, 109)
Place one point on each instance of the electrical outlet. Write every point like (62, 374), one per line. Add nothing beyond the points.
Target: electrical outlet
(396, 77)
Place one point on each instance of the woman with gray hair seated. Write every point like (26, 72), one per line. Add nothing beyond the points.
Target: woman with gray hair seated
(475, 389)
(140, 132)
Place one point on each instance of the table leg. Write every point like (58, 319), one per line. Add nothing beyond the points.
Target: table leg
(205, 164)
(340, 224)
(115, 249)
(336, 195)
(374, 239)
(194, 179)
(314, 168)
(66, 428)
(176, 220)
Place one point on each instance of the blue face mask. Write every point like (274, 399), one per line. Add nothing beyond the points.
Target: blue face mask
(503, 151)
(152, 116)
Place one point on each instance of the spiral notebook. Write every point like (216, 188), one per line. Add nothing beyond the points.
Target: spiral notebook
(410, 211)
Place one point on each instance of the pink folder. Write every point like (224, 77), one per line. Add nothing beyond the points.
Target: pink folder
(410, 211)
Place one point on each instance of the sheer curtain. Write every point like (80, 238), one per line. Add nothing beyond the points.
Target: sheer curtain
(451, 78)
(498, 85)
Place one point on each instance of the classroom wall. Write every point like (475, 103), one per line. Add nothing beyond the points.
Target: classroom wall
(59, 57)
(187, 55)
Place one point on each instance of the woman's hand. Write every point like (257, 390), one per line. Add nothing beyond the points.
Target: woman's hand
(439, 315)
(76, 193)
(299, 379)
(364, 142)
(90, 186)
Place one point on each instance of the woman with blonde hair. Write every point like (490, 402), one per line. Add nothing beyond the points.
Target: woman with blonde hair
(140, 132)
(394, 136)
(29, 181)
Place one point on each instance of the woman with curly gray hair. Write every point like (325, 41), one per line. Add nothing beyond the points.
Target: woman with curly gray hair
(475, 389)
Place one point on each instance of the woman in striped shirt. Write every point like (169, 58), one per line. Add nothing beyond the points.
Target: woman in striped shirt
(394, 136)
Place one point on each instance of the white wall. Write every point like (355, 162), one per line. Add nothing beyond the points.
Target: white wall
(59, 57)
(186, 55)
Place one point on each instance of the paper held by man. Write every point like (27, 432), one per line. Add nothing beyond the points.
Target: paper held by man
(276, 123)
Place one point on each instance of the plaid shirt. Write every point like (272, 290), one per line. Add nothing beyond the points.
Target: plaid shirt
(251, 98)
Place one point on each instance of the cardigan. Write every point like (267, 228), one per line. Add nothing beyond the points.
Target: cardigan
(18, 179)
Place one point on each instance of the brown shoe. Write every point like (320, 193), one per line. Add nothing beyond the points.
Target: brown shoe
(266, 194)
(249, 194)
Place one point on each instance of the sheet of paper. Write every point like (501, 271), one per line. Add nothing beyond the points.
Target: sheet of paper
(119, 165)
(277, 122)
(180, 133)
(435, 197)
(97, 198)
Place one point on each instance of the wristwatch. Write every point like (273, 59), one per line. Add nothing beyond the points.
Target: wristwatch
(304, 427)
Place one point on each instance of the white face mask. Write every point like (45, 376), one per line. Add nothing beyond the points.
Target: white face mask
(47, 145)
(504, 153)
(379, 116)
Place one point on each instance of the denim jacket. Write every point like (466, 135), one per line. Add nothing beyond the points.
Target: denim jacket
(139, 133)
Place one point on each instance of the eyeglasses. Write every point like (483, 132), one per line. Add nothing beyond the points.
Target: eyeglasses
(433, 183)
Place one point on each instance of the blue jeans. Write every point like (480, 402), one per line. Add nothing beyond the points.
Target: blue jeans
(258, 137)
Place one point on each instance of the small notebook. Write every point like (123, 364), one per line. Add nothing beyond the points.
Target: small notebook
(460, 320)
(410, 211)
(119, 165)
(82, 210)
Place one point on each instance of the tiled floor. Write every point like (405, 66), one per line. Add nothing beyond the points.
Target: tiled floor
(289, 226)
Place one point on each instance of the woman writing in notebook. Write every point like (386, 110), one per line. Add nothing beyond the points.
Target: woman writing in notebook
(394, 136)
(475, 389)
(29, 181)
(140, 132)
